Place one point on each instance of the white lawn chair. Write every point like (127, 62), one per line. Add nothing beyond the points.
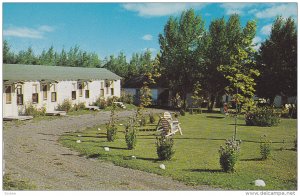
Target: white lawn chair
(168, 127)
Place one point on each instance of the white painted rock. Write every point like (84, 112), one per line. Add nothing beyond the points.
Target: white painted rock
(259, 183)
(133, 157)
(79, 135)
(106, 149)
(162, 166)
(99, 129)
(78, 141)
(121, 124)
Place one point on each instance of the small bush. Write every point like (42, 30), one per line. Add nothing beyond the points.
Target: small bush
(111, 131)
(151, 118)
(265, 147)
(131, 136)
(111, 100)
(262, 116)
(79, 106)
(65, 106)
(164, 148)
(229, 155)
(101, 103)
(126, 98)
(182, 112)
(31, 110)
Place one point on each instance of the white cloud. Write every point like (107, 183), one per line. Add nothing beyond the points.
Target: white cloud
(285, 10)
(257, 42)
(266, 29)
(160, 9)
(147, 37)
(236, 8)
(25, 32)
(46, 28)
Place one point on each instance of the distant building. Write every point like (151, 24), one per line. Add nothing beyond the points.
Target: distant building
(159, 91)
(50, 85)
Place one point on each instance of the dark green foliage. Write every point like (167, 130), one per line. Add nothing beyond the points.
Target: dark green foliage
(151, 118)
(229, 155)
(181, 52)
(65, 106)
(131, 135)
(265, 147)
(164, 148)
(31, 110)
(111, 131)
(277, 61)
(262, 116)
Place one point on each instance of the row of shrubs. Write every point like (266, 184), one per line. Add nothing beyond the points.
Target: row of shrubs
(103, 103)
(262, 116)
(67, 106)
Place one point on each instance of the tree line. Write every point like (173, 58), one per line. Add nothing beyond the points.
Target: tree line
(216, 61)
(223, 60)
(76, 57)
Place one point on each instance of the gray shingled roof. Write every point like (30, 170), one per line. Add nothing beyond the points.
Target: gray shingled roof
(18, 72)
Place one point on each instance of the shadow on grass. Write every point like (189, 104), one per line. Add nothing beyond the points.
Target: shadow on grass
(243, 125)
(205, 170)
(253, 159)
(216, 117)
(117, 148)
(148, 159)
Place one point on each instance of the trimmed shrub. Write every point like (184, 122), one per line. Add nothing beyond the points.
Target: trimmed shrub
(130, 136)
(265, 147)
(111, 131)
(65, 106)
(262, 116)
(111, 128)
(229, 155)
(164, 148)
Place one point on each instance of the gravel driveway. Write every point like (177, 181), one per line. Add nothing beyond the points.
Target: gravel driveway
(32, 152)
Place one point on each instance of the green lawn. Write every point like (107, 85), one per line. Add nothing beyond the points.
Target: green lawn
(196, 160)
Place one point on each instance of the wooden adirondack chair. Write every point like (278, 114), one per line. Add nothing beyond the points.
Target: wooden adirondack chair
(168, 127)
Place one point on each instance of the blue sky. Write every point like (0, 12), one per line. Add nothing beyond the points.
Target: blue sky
(109, 28)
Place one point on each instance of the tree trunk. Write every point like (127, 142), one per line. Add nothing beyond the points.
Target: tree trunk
(211, 103)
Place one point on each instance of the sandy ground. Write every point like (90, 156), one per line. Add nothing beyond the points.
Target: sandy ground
(32, 152)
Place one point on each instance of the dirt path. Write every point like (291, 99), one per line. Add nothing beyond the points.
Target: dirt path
(31, 151)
